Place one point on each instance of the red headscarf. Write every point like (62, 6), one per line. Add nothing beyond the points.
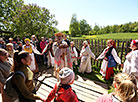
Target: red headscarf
(112, 43)
(135, 42)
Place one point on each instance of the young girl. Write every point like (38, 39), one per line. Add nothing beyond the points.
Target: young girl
(24, 86)
(125, 89)
(62, 91)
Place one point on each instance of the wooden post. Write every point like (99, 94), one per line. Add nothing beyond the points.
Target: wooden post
(122, 52)
(126, 48)
(117, 45)
(101, 50)
(92, 49)
(97, 52)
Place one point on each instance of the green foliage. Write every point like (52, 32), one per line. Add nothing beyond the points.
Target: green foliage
(77, 29)
(96, 29)
(31, 19)
(8, 9)
(85, 28)
(74, 28)
(25, 20)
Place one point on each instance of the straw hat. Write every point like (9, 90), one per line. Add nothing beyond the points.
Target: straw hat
(59, 34)
(10, 38)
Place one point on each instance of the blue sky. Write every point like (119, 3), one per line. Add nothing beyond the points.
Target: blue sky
(101, 12)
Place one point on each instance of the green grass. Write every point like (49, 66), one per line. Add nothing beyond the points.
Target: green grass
(109, 36)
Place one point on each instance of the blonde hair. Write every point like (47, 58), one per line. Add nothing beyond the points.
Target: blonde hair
(126, 87)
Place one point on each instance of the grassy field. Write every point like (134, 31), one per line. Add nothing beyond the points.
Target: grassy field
(109, 36)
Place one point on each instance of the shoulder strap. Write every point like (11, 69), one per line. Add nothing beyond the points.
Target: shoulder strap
(20, 73)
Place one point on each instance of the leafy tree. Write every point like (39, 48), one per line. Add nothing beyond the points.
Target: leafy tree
(114, 29)
(135, 29)
(32, 19)
(85, 28)
(74, 29)
(8, 9)
(96, 29)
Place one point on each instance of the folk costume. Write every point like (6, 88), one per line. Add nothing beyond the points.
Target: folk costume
(31, 49)
(131, 62)
(49, 50)
(105, 70)
(62, 54)
(74, 53)
(86, 54)
(62, 92)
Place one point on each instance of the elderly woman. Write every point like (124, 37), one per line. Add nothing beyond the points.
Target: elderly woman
(131, 62)
(5, 67)
(86, 54)
(28, 47)
(106, 70)
(10, 49)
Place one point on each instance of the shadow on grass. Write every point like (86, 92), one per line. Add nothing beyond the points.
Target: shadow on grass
(97, 78)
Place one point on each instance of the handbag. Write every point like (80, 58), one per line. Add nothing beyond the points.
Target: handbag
(111, 61)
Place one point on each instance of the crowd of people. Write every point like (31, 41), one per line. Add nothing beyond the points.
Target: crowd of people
(22, 56)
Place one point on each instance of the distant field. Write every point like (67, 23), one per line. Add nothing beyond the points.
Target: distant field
(110, 36)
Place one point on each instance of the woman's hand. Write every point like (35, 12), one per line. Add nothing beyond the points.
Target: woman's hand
(122, 65)
(96, 59)
(41, 53)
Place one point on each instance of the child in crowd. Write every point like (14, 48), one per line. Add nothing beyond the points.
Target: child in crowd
(24, 87)
(125, 89)
(62, 91)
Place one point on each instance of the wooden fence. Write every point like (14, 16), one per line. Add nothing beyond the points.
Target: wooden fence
(97, 46)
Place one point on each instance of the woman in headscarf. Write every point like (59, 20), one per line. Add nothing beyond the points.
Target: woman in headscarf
(86, 54)
(106, 70)
(131, 62)
(28, 47)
